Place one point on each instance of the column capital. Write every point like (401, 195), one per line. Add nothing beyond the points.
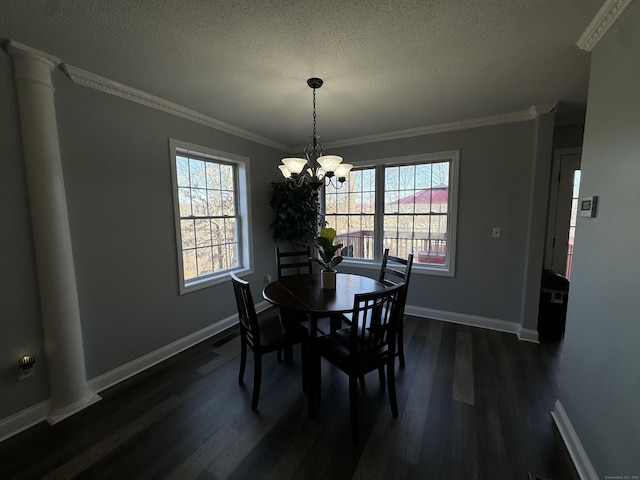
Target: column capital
(32, 65)
(19, 50)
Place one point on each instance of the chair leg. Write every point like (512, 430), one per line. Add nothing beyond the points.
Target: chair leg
(288, 355)
(257, 379)
(243, 360)
(392, 386)
(304, 365)
(381, 377)
(318, 379)
(353, 407)
(400, 343)
(335, 322)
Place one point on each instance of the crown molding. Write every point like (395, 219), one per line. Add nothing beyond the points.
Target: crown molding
(530, 113)
(17, 49)
(601, 23)
(97, 82)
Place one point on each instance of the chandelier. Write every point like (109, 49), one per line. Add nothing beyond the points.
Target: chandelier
(316, 166)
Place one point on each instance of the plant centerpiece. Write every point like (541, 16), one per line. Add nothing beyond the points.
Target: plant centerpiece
(328, 258)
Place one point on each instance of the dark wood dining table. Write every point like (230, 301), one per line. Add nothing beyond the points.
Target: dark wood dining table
(304, 293)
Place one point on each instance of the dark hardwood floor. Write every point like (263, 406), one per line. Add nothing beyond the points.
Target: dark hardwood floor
(474, 404)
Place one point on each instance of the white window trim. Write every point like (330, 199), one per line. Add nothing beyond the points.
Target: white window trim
(446, 270)
(245, 227)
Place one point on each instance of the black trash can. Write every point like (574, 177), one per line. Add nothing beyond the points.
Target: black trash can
(552, 313)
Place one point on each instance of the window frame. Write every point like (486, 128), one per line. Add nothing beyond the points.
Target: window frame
(242, 195)
(453, 157)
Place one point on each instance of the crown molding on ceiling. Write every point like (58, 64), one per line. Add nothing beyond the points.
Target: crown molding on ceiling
(17, 49)
(97, 82)
(601, 23)
(530, 113)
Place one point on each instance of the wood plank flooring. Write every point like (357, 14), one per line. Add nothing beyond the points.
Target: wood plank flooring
(474, 404)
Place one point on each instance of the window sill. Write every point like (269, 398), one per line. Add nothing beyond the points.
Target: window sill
(196, 284)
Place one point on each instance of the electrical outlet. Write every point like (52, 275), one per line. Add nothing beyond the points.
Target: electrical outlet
(497, 232)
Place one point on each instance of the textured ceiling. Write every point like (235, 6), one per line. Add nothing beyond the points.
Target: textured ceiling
(387, 65)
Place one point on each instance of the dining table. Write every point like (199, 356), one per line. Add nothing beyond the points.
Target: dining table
(304, 294)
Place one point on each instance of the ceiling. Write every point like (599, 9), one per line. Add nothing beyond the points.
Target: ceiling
(388, 65)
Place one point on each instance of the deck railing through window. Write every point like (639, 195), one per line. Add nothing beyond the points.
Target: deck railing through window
(425, 250)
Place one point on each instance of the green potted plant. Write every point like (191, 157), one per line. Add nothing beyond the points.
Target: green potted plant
(295, 218)
(328, 258)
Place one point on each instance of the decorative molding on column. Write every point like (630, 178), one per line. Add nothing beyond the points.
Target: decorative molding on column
(97, 82)
(23, 52)
(56, 415)
(531, 113)
(601, 23)
(17, 49)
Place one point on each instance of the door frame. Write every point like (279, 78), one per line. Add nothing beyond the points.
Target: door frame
(552, 213)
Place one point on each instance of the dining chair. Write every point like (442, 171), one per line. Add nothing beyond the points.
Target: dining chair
(395, 270)
(263, 336)
(294, 262)
(367, 344)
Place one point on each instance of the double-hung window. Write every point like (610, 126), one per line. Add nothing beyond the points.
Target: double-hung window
(210, 192)
(406, 204)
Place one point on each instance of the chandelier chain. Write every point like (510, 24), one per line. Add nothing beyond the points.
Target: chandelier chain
(314, 113)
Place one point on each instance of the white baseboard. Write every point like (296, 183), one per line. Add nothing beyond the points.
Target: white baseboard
(29, 417)
(574, 446)
(465, 319)
(24, 419)
(528, 335)
(138, 365)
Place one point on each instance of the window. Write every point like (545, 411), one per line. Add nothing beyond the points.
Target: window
(211, 214)
(407, 205)
(351, 211)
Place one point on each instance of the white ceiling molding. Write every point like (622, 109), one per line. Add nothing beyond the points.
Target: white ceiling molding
(91, 80)
(530, 113)
(97, 82)
(601, 23)
(17, 49)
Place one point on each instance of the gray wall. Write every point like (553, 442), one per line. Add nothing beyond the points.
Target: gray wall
(497, 166)
(115, 156)
(600, 378)
(117, 178)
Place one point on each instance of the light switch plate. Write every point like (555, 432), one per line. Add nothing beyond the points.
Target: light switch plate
(497, 231)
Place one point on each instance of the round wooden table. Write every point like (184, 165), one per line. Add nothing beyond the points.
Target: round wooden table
(305, 294)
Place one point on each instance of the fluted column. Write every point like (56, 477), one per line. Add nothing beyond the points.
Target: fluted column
(52, 238)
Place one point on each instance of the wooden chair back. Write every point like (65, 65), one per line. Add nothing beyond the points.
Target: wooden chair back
(249, 326)
(290, 263)
(373, 325)
(395, 269)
